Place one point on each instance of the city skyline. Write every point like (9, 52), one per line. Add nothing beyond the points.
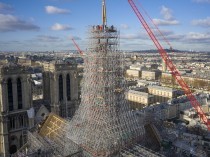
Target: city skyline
(47, 25)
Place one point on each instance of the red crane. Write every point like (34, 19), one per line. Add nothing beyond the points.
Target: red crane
(170, 65)
(75, 44)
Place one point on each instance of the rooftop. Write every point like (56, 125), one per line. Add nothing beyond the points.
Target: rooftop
(162, 88)
(140, 93)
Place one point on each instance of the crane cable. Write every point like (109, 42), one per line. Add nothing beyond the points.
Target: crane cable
(145, 12)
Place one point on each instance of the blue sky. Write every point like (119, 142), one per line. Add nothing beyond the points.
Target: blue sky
(47, 25)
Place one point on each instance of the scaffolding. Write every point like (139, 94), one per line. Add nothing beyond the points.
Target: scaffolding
(50, 140)
(103, 124)
(139, 151)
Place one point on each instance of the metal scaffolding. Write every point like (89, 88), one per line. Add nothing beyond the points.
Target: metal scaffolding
(50, 139)
(139, 151)
(103, 124)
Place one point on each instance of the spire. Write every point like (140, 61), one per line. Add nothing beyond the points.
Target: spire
(104, 20)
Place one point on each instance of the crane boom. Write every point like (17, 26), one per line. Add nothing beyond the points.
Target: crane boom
(170, 65)
(80, 51)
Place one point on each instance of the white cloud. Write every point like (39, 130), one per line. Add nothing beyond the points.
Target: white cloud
(60, 27)
(169, 35)
(168, 18)
(144, 35)
(165, 22)
(191, 40)
(198, 36)
(124, 26)
(55, 10)
(167, 13)
(202, 22)
(12, 23)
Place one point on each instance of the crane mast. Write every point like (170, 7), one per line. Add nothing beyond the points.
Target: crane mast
(170, 65)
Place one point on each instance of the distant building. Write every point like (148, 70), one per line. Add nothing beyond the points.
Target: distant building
(179, 107)
(151, 75)
(183, 104)
(133, 73)
(146, 83)
(24, 61)
(137, 67)
(131, 83)
(60, 87)
(139, 89)
(3, 62)
(138, 99)
(192, 81)
(162, 94)
(162, 111)
(175, 108)
(16, 114)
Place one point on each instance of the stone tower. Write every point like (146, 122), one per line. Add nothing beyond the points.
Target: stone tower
(60, 87)
(15, 102)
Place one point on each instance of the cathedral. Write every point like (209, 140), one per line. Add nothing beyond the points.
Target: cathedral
(19, 112)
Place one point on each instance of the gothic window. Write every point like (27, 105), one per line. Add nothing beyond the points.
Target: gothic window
(14, 142)
(68, 88)
(19, 94)
(10, 94)
(25, 121)
(21, 140)
(60, 83)
(21, 121)
(12, 123)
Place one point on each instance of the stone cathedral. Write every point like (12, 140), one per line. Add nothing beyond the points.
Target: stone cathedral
(18, 111)
(15, 100)
(60, 88)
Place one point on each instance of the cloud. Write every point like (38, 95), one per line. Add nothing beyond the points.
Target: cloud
(201, 1)
(124, 26)
(196, 37)
(192, 40)
(48, 38)
(143, 35)
(168, 34)
(168, 18)
(163, 22)
(167, 13)
(55, 10)
(132, 36)
(5, 8)
(12, 23)
(164, 32)
(202, 22)
(60, 27)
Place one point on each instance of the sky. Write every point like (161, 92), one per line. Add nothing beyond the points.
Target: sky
(49, 25)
